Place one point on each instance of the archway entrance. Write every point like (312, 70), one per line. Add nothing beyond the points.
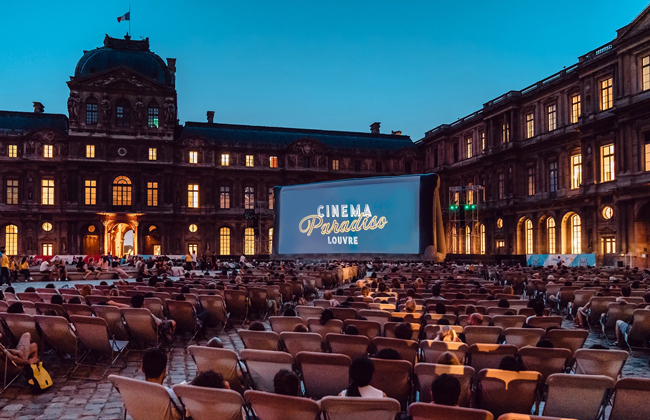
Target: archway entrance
(122, 239)
(152, 244)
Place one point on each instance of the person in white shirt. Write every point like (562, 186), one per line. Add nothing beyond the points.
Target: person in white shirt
(46, 268)
(178, 271)
(361, 371)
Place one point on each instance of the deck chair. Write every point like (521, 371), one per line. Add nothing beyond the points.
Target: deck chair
(496, 311)
(488, 356)
(155, 306)
(508, 321)
(41, 308)
(295, 342)
(262, 366)
(581, 298)
(576, 396)
(631, 399)
(113, 318)
(394, 378)
(424, 411)
(352, 346)
(503, 391)
(144, 400)
(185, 316)
(568, 339)
(546, 361)
(29, 297)
(209, 403)
(78, 309)
(97, 340)
(407, 349)
(432, 350)
(639, 332)
(344, 313)
(600, 362)
(260, 340)
(323, 374)
(284, 323)
(379, 316)
(545, 322)
(370, 329)
(616, 311)
(482, 334)
(389, 330)
(432, 319)
(332, 326)
(599, 305)
(522, 337)
(259, 301)
(306, 312)
(344, 408)
(268, 406)
(431, 331)
(58, 333)
(236, 303)
(515, 416)
(9, 371)
(426, 373)
(223, 361)
(142, 327)
(216, 308)
(19, 324)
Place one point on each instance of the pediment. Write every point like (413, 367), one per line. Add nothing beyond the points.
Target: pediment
(118, 78)
(194, 142)
(640, 24)
(307, 146)
(47, 136)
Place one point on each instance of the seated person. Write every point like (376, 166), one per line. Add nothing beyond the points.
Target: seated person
(215, 342)
(166, 327)
(286, 382)
(404, 331)
(445, 390)
(475, 319)
(210, 379)
(623, 328)
(256, 326)
(361, 371)
(154, 367)
(446, 333)
(537, 307)
(448, 358)
(511, 363)
(25, 352)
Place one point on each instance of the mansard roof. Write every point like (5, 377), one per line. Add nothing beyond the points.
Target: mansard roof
(16, 123)
(232, 134)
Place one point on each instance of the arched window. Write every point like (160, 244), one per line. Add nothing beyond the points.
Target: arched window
(249, 241)
(224, 241)
(11, 239)
(482, 233)
(123, 113)
(529, 236)
(91, 111)
(152, 115)
(121, 191)
(550, 233)
(270, 241)
(576, 235)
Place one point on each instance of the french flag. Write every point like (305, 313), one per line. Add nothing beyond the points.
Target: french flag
(126, 16)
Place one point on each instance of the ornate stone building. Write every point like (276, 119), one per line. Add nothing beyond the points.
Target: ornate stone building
(120, 162)
(565, 162)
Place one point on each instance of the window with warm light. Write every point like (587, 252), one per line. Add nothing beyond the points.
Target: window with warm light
(645, 72)
(501, 244)
(576, 171)
(500, 186)
(530, 177)
(224, 241)
(550, 233)
(551, 113)
(90, 151)
(609, 245)
(48, 151)
(606, 94)
(193, 248)
(249, 241)
(273, 161)
(482, 136)
(12, 191)
(224, 197)
(46, 226)
(152, 194)
(225, 159)
(271, 198)
(607, 163)
(530, 125)
(249, 198)
(482, 233)
(468, 147)
(47, 250)
(608, 212)
(12, 152)
(552, 177)
(194, 157)
(47, 192)
(576, 234)
(505, 132)
(153, 153)
(468, 240)
(454, 240)
(576, 109)
(529, 236)
(193, 196)
(499, 223)
(335, 164)
(270, 241)
(122, 188)
(193, 228)
(250, 161)
(90, 192)
(11, 239)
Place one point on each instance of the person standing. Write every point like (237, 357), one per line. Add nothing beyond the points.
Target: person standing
(4, 267)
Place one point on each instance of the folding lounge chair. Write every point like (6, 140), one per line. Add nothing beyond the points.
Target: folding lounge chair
(41, 308)
(18, 324)
(216, 307)
(568, 339)
(236, 304)
(545, 322)
(546, 361)
(113, 318)
(426, 373)
(432, 350)
(488, 356)
(482, 334)
(295, 342)
(407, 349)
(503, 391)
(9, 371)
(508, 321)
(144, 400)
(284, 323)
(600, 362)
(352, 346)
(370, 329)
(576, 396)
(208, 403)
(323, 374)
(332, 326)
(431, 331)
(522, 337)
(78, 309)
(58, 333)
(96, 339)
(631, 399)
(262, 366)
(142, 327)
(268, 406)
(343, 408)
(223, 361)
(260, 340)
(185, 316)
(394, 378)
(306, 312)
(426, 411)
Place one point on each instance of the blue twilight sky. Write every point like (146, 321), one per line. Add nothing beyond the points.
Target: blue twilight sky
(337, 65)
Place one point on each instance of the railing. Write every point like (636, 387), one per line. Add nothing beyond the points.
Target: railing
(595, 53)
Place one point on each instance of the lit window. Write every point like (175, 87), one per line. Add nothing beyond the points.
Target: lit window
(91, 111)
(48, 151)
(468, 147)
(90, 192)
(609, 245)
(501, 244)
(529, 236)
(551, 112)
(47, 250)
(47, 192)
(123, 114)
(225, 159)
(530, 176)
(249, 241)
(645, 73)
(482, 233)
(12, 191)
(335, 164)
(468, 240)
(11, 239)
(270, 241)
(47, 227)
(193, 248)
(499, 223)
(606, 94)
(122, 191)
(249, 198)
(224, 241)
(576, 109)
(193, 196)
(193, 228)
(500, 186)
(646, 154)
(224, 198)
(454, 241)
(271, 198)
(552, 177)
(90, 151)
(273, 161)
(250, 161)
(608, 212)
(607, 163)
(194, 157)
(153, 153)
(13, 151)
(152, 194)
(550, 230)
(505, 132)
(152, 116)
(576, 171)
(530, 125)
(482, 135)
(576, 239)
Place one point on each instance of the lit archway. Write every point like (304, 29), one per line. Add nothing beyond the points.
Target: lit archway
(571, 233)
(122, 239)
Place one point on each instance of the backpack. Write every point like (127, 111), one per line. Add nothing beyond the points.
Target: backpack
(38, 378)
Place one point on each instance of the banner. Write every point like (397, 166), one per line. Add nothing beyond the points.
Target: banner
(567, 260)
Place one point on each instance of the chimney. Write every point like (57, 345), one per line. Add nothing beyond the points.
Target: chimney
(171, 65)
(38, 107)
(210, 117)
(396, 133)
(374, 128)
